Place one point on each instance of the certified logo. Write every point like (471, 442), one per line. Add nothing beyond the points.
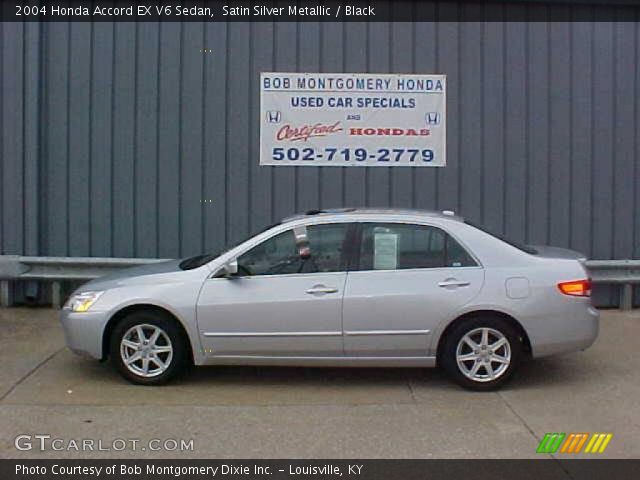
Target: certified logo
(432, 118)
(305, 132)
(274, 116)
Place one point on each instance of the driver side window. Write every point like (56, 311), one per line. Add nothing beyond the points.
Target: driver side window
(274, 256)
(279, 255)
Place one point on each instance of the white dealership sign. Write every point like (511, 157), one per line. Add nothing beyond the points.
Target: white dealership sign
(349, 119)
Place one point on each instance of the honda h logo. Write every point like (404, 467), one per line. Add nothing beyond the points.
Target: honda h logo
(274, 116)
(432, 118)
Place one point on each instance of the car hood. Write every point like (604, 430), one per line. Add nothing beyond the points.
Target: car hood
(139, 274)
(546, 251)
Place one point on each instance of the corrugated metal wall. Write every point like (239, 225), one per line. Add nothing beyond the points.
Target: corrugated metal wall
(128, 140)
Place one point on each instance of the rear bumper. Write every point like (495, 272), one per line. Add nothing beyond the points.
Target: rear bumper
(83, 332)
(574, 332)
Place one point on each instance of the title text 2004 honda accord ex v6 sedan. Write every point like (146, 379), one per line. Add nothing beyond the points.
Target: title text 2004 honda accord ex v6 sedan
(345, 287)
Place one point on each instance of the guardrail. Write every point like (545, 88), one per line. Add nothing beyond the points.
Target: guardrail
(625, 273)
(56, 270)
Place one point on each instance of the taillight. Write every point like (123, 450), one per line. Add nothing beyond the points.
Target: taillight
(576, 288)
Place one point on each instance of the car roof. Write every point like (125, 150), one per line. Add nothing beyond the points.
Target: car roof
(374, 212)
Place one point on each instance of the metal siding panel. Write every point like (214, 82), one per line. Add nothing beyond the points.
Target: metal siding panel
(424, 38)
(3, 43)
(560, 130)
(79, 135)
(378, 61)
(581, 134)
(123, 140)
(191, 140)
(261, 177)
(12, 138)
(471, 115)
(169, 141)
(625, 128)
(57, 237)
(515, 124)
(284, 179)
(332, 60)
(102, 95)
(538, 153)
(636, 146)
(402, 55)
(307, 178)
(448, 62)
(355, 56)
(146, 140)
(215, 148)
(238, 135)
(601, 221)
(493, 124)
(32, 149)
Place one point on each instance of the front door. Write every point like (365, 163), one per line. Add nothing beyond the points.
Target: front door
(279, 304)
(409, 278)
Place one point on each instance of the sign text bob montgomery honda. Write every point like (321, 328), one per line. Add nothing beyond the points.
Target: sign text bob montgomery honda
(344, 119)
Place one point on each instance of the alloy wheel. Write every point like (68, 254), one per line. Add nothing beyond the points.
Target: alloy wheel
(146, 350)
(483, 354)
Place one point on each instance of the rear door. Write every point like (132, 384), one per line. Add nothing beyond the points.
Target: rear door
(407, 279)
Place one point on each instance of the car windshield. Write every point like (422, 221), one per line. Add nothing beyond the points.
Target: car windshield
(199, 260)
(525, 248)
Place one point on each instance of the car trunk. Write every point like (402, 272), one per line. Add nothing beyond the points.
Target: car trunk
(557, 252)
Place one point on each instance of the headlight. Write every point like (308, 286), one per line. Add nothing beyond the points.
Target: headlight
(81, 302)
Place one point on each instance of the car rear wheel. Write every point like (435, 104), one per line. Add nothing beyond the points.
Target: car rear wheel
(148, 348)
(482, 353)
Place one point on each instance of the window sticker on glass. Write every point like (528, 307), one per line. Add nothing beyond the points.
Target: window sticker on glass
(385, 251)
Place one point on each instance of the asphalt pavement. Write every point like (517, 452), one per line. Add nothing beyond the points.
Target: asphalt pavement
(248, 412)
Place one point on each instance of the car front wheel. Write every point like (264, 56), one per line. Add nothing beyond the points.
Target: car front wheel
(147, 348)
(482, 353)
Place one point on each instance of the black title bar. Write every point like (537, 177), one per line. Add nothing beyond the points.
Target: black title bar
(546, 468)
(317, 10)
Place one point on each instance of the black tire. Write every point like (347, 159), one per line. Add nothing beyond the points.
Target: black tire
(179, 354)
(448, 354)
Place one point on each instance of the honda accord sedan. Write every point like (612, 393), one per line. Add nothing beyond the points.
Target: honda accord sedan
(348, 287)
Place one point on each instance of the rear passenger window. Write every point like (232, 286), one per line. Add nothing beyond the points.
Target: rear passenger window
(457, 256)
(397, 246)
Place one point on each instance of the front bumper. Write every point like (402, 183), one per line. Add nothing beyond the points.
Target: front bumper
(83, 332)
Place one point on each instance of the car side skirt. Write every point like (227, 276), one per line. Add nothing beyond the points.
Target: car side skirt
(321, 361)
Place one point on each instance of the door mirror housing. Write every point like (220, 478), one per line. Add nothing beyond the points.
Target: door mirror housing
(229, 269)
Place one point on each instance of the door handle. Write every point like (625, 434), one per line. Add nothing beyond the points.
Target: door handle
(452, 282)
(319, 289)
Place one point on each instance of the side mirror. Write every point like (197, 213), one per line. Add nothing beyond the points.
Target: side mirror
(228, 269)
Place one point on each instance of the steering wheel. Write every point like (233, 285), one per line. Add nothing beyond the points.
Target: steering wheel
(281, 265)
(287, 262)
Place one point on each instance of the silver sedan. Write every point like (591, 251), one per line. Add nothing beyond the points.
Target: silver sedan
(349, 287)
